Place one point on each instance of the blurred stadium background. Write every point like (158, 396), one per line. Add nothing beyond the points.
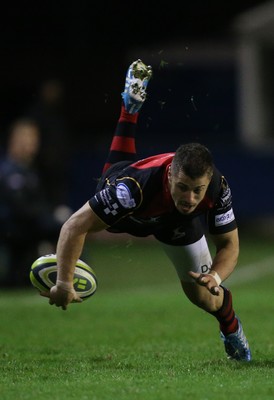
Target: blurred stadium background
(213, 83)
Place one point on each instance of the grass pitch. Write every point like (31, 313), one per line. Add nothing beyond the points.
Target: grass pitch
(138, 337)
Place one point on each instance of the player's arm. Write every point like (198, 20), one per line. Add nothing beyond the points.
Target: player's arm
(110, 204)
(224, 262)
(227, 252)
(72, 237)
(69, 248)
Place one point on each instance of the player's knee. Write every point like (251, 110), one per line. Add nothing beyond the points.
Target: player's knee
(201, 297)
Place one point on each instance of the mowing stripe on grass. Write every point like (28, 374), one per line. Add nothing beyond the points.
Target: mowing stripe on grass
(252, 272)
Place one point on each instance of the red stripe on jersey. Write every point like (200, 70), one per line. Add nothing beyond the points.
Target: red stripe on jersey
(124, 144)
(106, 167)
(154, 161)
(126, 117)
(162, 201)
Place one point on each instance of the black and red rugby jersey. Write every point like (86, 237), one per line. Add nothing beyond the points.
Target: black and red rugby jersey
(135, 198)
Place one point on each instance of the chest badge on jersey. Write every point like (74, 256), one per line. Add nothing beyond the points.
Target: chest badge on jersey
(178, 233)
(124, 196)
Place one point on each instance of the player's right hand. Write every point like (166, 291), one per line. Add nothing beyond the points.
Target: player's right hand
(207, 280)
(61, 297)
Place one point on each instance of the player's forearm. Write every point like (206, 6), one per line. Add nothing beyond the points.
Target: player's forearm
(72, 238)
(227, 252)
(225, 261)
(69, 249)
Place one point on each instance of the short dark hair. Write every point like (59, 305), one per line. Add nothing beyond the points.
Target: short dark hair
(194, 159)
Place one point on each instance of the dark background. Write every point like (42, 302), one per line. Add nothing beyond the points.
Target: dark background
(85, 45)
(88, 47)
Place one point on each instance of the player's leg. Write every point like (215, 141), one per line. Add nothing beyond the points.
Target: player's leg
(123, 143)
(196, 257)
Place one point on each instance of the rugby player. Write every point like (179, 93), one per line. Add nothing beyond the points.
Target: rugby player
(165, 196)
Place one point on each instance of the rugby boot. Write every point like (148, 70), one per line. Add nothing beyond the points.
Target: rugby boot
(236, 345)
(137, 78)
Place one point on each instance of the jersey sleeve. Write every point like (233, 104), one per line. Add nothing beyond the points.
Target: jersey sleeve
(117, 200)
(221, 217)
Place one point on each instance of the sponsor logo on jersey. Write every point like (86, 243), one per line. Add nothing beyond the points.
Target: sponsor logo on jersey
(105, 197)
(124, 196)
(226, 197)
(109, 202)
(225, 218)
(112, 209)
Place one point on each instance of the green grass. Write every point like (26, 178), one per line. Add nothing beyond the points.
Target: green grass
(138, 337)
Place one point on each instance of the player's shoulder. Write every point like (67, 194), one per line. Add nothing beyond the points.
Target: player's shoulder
(215, 182)
(150, 172)
(155, 161)
(219, 188)
(146, 174)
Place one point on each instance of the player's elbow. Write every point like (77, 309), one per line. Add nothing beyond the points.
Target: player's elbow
(72, 227)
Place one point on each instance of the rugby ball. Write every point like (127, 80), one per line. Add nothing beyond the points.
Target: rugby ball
(43, 275)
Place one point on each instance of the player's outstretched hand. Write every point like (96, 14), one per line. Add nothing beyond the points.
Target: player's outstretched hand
(61, 297)
(206, 280)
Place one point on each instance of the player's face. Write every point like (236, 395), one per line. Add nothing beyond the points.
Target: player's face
(187, 193)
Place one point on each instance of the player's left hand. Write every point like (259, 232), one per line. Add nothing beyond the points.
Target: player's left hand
(206, 280)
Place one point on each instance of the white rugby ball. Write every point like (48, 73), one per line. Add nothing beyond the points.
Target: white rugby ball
(43, 275)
